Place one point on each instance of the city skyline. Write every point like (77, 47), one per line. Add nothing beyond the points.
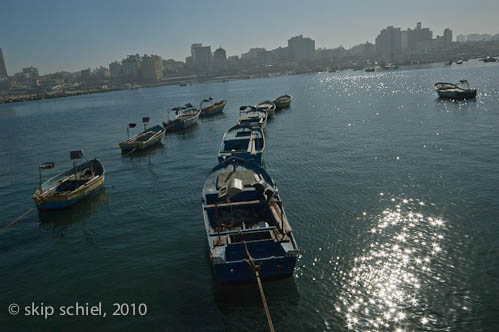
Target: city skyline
(67, 36)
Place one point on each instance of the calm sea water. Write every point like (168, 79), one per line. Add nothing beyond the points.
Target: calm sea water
(392, 195)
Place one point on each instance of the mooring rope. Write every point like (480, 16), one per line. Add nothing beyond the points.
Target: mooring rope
(256, 268)
(16, 220)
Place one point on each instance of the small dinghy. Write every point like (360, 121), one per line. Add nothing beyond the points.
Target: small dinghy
(185, 117)
(269, 106)
(252, 116)
(67, 188)
(211, 109)
(455, 91)
(245, 223)
(283, 102)
(243, 142)
(144, 140)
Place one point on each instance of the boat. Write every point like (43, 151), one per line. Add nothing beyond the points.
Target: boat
(246, 224)
(283, 102)
(67, 188)
(369, 69)
(489, 59)
(145, 139)
(268, 105)
(459, 62)
(252, 116)
(449, 63)
(455, 91)
(245, 142)
(185, 117)
(211, 109)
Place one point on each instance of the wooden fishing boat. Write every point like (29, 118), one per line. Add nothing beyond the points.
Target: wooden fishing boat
(283, 102)
(268, 105)
(245, 142)
(245, 223)
(185, 117)
(252, 116)
(455, 91)
(144, 140)
(211, 109)
(67, 188)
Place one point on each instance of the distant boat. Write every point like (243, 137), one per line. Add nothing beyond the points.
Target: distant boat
(283, 102)
(211, 109)
(145, 139)
(185, 117)
(369, 69)
(268, 105)
(489, 59)
(245, 223)
(252, 116)
(245, 142)
(455, 91)
(67, 188)
(459, 62)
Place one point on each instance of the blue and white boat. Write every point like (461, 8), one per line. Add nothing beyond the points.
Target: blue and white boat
(250, 115)
(185, 117)
(67, 188)
(245, 222)
(245, 142)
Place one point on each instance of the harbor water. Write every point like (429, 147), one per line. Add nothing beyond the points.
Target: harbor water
(392, 195)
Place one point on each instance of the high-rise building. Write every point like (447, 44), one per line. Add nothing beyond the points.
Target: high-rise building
(460, 38)
(152, 67)
(300, 48)
(388, 43)
(447, 38)
(30, 72)
(220, 60)
(130, 66)
(3, 69)
(201, 58)
(255, 56)
(115, 69)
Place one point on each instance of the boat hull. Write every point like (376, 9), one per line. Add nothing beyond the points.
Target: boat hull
(256, 158)
(468, 94)
(240, 271)
(65, 200)
(213, 109)
(181, 124)
(282, 102)
(132, 144)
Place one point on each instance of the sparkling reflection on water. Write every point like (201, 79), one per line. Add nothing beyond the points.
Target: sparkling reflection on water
(382, 291)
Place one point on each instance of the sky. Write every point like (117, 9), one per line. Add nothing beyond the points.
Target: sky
(70, 35)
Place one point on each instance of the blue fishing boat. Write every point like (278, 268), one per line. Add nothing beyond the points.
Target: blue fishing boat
(67, 188)
(251, 116)
(144, 140)
(246, 142)
(185, 117)
(246, 224)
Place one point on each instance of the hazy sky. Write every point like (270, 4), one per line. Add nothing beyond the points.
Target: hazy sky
(71, 35)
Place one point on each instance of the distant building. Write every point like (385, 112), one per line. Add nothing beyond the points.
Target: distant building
(365, 51)
(102, 73)
(3, 69)
(415, 39)
(130, 66)
(201, 58)
(220, 63)
(460, 38)
(279, 55)
(447, 38)
(86, 74)
(115, 69)
(300, 48)
(255, 56)
(152, 68)
(30, 72)
(388, 43)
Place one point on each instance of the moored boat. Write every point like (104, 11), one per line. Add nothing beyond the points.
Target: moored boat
(185, 117)
(245, 223)
(369, 69)
(211, 109)
(455, 91)
(245, 142)
(489, 59)
(283, 102)
(145, 139)
(69, 187)
(268, 105)
(251, 116)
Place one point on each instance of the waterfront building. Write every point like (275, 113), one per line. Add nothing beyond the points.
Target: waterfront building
(220, 63)
(86, 74)
(300, 48)
(279, 55)
(201, 58)
(152, 68)
(255, 56)
(102, 73)
(460, 38)
(3, 68)
(30, 72)
(130, 66)
(388, 43)
(365, 51)
(115, 69)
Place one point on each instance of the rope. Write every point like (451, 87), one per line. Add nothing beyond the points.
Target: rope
(16, 220)
(256, 268)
